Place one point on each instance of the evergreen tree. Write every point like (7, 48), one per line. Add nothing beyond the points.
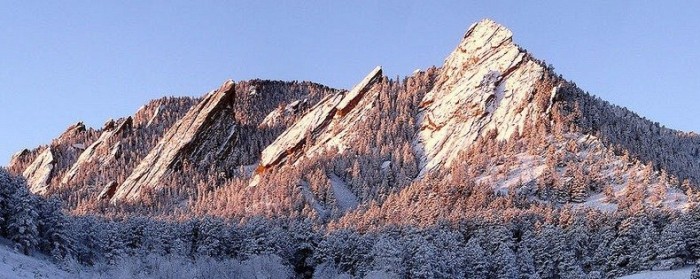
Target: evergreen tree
(507, 267)
(22, 222)
(54, 237)
(477, 266)
(695, 274)
(526, 264)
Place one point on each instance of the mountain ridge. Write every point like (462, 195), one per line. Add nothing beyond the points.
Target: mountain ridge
(492, 115)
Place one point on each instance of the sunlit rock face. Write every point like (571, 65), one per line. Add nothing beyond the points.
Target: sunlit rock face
(341, 110)
(39, 172)
(486, 84)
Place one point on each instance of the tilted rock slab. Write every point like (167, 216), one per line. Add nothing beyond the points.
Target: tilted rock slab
(202, 136)
(98, 151)
(486, 84)
(319, 119)
(38, 174)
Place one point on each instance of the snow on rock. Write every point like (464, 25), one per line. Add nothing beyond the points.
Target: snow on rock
(38, 174)
(320, 118)
(346, 199)
(296, 105)
(272, 118)
(201, 136)
(526, 171)
(155, 115)
(98, 149)
(277, 116)
(386, 165)
(80, 146)
(485, 84)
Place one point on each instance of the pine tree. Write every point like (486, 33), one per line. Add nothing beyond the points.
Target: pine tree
(507, 267)
(477, 263)
(696, 272)
(212, 235)
(22, 222)
(672, 249)
(114, 246)
(526, 264)
(388, 255)
(53, 229)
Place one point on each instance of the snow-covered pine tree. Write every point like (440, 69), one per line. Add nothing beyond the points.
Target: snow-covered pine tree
(212, 235)
(507, 267)
(477, 262)
(54, 237)
(22, 222)
(671, 247)
(114, 247)
(388, 255)
(526, 265)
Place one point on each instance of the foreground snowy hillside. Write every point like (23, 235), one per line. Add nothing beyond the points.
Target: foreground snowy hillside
(15, 265)
(681, 273)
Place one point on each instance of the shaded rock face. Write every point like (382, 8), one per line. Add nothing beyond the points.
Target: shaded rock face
(108, 191)
(38, 174)
(206, 127)
(94, 154)
(486, 84)
(320, 119)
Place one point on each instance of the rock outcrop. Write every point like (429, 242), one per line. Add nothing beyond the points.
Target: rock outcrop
(319, 119)
(203, 135)
(108, 191)
(38, 174)
(486, 84)
(97, 152)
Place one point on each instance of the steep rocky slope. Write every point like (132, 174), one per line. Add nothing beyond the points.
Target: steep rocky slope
(208, 125)
(486, 84)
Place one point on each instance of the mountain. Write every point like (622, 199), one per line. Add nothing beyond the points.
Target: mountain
(492, 118)
(488, 166)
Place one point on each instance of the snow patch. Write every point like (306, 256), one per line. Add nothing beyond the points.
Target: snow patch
(346, 199)
(311, 199)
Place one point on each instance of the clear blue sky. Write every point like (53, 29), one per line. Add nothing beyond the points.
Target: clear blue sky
(66, 61)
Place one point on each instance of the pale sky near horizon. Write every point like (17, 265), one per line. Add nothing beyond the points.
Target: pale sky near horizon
(67, 61)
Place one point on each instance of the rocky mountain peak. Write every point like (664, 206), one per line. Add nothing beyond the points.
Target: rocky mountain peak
(487, 83)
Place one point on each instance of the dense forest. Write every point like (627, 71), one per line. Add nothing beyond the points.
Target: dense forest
(537, 242)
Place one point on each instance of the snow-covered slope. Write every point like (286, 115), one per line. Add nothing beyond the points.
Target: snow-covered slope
(681, 273)
(14, 265)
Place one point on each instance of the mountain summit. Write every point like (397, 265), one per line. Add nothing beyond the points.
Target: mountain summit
(492, 119)
(487, 84)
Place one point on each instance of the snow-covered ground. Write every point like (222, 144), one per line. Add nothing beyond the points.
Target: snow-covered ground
(346, 199)
(14, 265)
(681, 273)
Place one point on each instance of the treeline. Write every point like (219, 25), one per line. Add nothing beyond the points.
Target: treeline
(543, 242)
